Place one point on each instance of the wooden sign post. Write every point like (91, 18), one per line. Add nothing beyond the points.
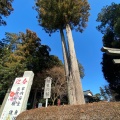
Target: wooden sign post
(47, 89)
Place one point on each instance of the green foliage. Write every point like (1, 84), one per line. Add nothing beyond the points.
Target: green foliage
(107, 94)
(103, 94)
(117, 26)
(39, 80)
(81, 70)
(54, 15)
(109, 19)
(21, 52)
(5, 10)
(54, 61)
(112, 73)
(97, 97)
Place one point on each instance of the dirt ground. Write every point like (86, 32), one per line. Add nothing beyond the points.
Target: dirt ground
(90, 111)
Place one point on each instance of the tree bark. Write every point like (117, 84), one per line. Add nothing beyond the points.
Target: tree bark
(74, 68)
(70, 85)
(34, 100)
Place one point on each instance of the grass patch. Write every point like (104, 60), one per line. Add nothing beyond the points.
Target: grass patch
(91, 111)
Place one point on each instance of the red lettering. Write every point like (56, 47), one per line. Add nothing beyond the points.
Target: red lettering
(24, 81)
(18, 81)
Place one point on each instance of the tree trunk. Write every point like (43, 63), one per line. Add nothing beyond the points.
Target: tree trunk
(74, 68)
(53, 102)
(34, 100)
(71, 89)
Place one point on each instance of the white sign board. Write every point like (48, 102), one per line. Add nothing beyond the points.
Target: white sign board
(47, 90)
(16, 99)
(39, 105)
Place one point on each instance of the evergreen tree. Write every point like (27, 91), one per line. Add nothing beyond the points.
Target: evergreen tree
(59, 15)
(109, 26)
(21, 52)
(107, 94)
(103, 94)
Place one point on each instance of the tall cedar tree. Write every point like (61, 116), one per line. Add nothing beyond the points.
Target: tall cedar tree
(5, 10)
(66, 14)
(109, 27)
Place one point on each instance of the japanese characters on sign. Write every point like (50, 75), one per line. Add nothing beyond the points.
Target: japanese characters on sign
(47, 90)
(15, 100)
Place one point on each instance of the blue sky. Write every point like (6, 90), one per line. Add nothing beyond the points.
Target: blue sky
(87, 44)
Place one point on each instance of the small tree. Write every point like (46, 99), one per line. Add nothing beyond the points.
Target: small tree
(96, 97)
(103, 94)
(106, 93)
(59, 85)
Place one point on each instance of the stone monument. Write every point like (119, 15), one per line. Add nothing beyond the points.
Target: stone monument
(16, 102)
